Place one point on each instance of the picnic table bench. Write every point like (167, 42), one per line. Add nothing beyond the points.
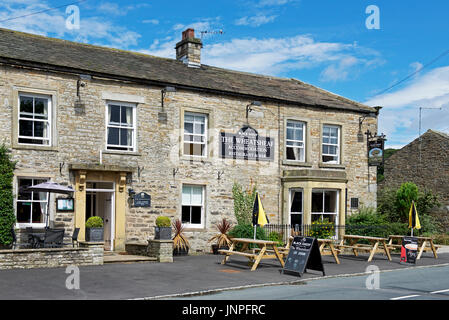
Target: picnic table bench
(256, 255)
(374, 246)
(326, 247)
(424, 244)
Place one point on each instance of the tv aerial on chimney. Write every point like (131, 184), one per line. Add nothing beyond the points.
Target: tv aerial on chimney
(203, 33)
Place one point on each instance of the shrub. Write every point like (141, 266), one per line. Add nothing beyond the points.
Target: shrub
(247, 231)
(367, 222)
(7, 216)
(222, 238)
(179, 240)
(322, 229)
(406, 193)
(94, 222)
(163, 222)
(243, 203)
(276, 236)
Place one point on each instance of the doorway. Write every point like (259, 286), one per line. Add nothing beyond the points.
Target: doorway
(100, 201)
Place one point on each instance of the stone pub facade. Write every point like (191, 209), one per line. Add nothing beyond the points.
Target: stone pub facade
(114, 124)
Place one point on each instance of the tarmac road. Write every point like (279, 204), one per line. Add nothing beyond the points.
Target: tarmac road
(409, 284)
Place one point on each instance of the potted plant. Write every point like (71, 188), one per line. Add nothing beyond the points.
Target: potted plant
(180, 243)
(222, 239)
(94, 229)
(162, 230)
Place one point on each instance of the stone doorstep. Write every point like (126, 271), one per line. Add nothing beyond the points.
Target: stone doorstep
(117, 258)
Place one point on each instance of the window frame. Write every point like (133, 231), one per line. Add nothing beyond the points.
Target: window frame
(205, 134)
(31, 224)
(49, 121)
(338, 145)
(203, 193)
(291, 191)
(303, 141)
(133, 129)
(323, 212)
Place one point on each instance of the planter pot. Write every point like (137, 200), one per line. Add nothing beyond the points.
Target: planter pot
(180, 252)
(162, 233)
(215, 248)
(94, 234)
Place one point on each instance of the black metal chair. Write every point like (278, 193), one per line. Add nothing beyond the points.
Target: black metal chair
(75, 237)
(14, 238)
(53, 238)
(31, 240)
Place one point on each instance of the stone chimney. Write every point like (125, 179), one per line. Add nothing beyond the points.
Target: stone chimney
(188, 50)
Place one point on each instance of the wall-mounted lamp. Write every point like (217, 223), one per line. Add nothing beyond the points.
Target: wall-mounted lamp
(361, 119)
(220, 174)
(164, 92)
(249, 109)
(131, 192)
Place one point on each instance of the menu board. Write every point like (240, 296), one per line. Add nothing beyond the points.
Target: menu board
(304, 254)
(409, 249)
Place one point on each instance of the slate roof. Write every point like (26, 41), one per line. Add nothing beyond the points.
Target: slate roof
(19, 48)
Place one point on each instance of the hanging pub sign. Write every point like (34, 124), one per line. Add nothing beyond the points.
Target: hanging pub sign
(376, 151)
(142, 199)
(246, 144)
(304, 254)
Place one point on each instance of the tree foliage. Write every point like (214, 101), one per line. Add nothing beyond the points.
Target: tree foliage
(243, 202)
(7, 217)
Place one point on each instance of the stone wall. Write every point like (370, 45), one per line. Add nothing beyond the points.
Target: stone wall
(424, 162)
(86, 254)
(160, 169)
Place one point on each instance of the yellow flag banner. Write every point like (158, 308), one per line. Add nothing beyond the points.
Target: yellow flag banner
(413, 220)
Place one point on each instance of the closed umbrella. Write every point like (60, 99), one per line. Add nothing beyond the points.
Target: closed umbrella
(259, 216)
(413, 220)
(50, 187)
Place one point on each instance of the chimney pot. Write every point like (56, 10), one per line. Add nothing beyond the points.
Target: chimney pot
(188, 50)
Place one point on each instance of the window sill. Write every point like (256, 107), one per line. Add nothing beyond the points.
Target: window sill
(195, 159)
(124, 153)
(296, 163)
(195, 229)
(34, 147)
(331, 165)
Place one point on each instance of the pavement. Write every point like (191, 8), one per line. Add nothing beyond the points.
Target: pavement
(187, 276)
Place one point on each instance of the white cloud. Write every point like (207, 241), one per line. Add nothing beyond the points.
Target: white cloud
(399, 118)
(255, 21)
(52, 23)
(151, 21)
(266, 3)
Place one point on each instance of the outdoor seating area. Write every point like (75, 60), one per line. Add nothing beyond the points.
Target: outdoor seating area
(348, 245)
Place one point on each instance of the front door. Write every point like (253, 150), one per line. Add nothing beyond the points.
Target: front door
(108, 221)
(296, 209)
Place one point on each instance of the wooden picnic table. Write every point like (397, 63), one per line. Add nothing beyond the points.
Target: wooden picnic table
(424, 244)
(323, 243)
(266, 250)
(372, 248)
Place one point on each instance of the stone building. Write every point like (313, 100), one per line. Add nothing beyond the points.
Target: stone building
(424, 161)
(114, 124)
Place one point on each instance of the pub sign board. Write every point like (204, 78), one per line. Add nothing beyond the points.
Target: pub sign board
(304, 254)
(142, 199)
(376, 151)
(246, 144)
(409, 249)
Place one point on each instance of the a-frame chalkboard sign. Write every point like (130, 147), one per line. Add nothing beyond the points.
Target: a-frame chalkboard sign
(303, 254)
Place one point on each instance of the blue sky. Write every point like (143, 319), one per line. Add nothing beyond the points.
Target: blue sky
(322, 42)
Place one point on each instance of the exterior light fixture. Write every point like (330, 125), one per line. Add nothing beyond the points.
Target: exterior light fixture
(249, 109)
(361, 119)
(164, 92)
